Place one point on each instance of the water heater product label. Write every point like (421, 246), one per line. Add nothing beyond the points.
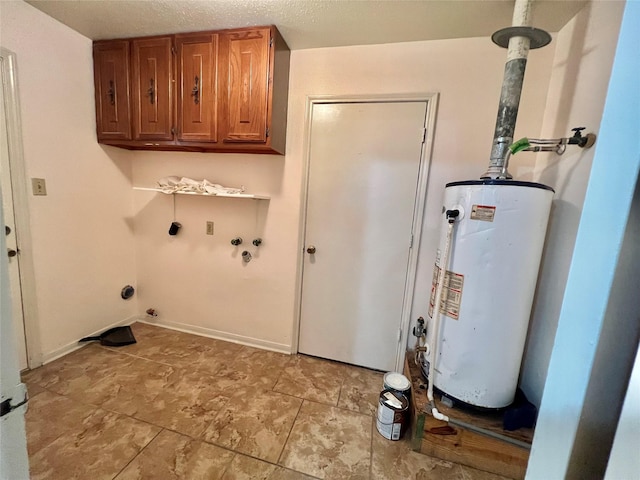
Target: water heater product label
(483, 212)
(451, 293)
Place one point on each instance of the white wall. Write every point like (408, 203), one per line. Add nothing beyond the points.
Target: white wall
(585, 48)
(598, 328)
(81, 231)
(201, 282)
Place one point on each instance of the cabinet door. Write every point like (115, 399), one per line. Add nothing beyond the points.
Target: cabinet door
(245, 59)
(197, 87)
(152, 89)
(111, 77)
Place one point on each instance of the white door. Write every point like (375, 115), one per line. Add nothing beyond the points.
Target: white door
(14, 463)
(11, 239)
(364, 164)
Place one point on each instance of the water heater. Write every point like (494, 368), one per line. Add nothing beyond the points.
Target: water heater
(489, 284)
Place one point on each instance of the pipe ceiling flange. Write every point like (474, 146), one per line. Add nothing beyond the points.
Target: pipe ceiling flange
(539, 38)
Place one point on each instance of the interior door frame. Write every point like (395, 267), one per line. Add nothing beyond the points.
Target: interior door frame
(20, 205)
(418, 214)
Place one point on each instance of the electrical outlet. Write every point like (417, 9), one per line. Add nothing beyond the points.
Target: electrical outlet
(209, 228)
(38, 186)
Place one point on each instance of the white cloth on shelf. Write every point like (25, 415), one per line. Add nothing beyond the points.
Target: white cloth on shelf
(173, 184)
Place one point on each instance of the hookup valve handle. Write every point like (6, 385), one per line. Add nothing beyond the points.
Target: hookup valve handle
(587, 141)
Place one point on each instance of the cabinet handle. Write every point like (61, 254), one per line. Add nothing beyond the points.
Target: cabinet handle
(111, 93)
(195, 92)
(151, 93)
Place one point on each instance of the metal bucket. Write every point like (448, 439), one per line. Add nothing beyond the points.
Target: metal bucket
(397, 382)
(393, 414)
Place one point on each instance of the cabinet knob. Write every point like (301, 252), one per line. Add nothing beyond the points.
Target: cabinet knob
(11, 252)
(311, 249)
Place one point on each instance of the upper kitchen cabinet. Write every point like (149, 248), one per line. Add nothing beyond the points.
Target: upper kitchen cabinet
(197, 65)
(111, 75)
(254, 85)
(152, 88)
(245, 83)
(223, 91)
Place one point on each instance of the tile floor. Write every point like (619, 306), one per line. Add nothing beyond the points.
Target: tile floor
(180, 406)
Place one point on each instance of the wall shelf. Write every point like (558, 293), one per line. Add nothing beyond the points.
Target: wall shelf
(224, 195)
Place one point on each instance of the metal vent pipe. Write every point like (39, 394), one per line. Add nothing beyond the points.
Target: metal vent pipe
(518, 38)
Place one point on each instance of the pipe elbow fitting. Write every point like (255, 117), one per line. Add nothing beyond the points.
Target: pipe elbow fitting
(439, 416)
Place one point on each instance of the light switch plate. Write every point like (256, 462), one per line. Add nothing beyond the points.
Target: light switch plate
(39, 186)
(209, 228)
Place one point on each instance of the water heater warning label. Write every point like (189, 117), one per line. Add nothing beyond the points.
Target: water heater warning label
(451, 293)
(483, 212)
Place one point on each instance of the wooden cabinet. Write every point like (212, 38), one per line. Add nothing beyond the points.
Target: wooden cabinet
(111, 73)
(223, 91)
(197, 62)
(152, 88)
(245, 85)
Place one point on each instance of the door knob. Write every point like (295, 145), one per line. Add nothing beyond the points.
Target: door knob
(311, 249)
(11, 252)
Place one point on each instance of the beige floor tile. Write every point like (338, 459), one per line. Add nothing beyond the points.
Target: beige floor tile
(254, 422)
(361, 390)
(210, 355)
(312, 379)
(188, 403)
(171, 456)
(92, 411)
(156, 343)
(394, 460)
(329, 442)
(257, 367)
(97, 452)
(51, 415)
(78, 371)
(247, 468)
(181, 349)
(33, 389)
(285, 474)
(132, 389)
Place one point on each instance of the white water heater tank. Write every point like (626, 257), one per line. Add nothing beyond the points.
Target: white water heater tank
(489, 286)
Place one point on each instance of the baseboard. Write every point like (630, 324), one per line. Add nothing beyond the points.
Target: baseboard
(218, 335)
(73, 346)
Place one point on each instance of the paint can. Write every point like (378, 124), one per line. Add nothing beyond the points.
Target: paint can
(397, 382)
(393, 414)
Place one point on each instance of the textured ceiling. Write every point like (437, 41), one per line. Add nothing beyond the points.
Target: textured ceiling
(305, 23)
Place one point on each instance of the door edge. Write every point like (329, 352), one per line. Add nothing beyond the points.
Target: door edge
(21, 210)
